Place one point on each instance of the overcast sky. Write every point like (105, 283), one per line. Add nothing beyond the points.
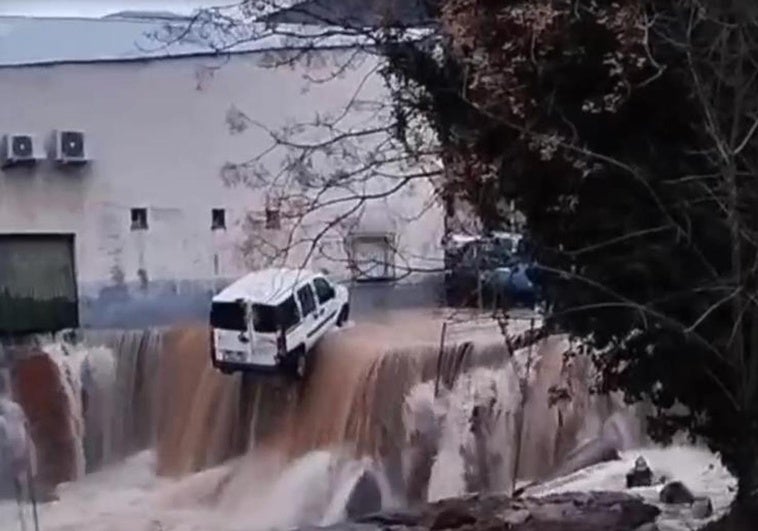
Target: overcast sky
(98, 8)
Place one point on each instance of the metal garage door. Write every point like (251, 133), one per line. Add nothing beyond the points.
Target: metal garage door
(37, 283)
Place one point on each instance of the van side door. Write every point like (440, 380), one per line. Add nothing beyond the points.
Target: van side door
(327, 299)
(308, 308)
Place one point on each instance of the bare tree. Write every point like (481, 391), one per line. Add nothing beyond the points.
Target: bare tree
(342, 175)
(720, 42)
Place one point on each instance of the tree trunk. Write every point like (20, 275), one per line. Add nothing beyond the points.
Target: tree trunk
(746, 500)
(746, 493)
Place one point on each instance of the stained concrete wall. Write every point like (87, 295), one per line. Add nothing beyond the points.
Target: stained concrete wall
(159, 135)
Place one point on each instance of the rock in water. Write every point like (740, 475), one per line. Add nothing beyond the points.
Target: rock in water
(599, 450)
(452, 518)
(366, 498)
(516, 517)
(676, 493)
(392, 519)
(577, 511)
(640, 475)
(702, 508)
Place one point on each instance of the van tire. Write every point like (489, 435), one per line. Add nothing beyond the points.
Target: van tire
(344, 315)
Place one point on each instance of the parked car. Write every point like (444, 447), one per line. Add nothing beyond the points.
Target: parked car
(270, 320)
(493, 270)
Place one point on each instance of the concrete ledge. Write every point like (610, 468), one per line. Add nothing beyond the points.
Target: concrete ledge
(164, 303)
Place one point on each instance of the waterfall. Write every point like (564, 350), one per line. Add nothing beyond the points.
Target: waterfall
(89, 402)
(389, 416)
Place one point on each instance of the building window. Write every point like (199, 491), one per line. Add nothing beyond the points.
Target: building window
(372, 257)
(139, 219)
(218, 219)
(273, 220)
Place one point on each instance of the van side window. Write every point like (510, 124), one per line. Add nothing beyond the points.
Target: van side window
(324, 290)
(288, 313)
(307, 301)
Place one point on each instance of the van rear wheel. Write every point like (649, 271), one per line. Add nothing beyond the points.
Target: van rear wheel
(344, 315)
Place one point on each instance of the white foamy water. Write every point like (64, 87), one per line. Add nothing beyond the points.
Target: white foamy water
(251, 493)
(254, 495)
(699, 469)
(493, 397)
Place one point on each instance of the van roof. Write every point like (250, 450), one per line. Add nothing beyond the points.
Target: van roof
(267, 286)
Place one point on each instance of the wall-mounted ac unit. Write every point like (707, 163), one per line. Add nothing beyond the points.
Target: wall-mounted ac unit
(19, 149)
(70, 147)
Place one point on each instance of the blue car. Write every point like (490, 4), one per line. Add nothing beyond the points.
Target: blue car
(486, 271)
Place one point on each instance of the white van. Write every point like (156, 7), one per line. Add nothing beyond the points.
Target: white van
(270, 320)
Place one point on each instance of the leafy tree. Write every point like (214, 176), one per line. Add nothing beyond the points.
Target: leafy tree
(625, 132)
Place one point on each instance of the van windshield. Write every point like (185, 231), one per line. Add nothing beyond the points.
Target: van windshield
(266, 318)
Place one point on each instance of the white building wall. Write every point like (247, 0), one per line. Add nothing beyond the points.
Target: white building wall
(158, 136)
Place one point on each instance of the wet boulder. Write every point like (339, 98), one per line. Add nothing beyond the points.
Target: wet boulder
(598, 450)
(675, 493)
(405, 518)
(702, 508)
(452, 518)
(640, 475)
(570, 511)
(366, 497)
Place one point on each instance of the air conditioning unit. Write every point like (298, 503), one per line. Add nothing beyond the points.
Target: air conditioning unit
(19, 149)
(70, 147)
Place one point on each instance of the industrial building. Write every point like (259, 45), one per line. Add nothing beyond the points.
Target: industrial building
(123, 200)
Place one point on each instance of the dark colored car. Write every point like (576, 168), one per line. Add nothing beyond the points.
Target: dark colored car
(494, 271)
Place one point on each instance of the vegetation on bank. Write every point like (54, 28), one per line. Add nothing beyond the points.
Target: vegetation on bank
(626, 133)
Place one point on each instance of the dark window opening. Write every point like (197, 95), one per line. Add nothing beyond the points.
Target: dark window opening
(218, 219)
(324, 290)
(273, 219)
(139, 219)
(307, 300)
(228, 316)
(269, 319)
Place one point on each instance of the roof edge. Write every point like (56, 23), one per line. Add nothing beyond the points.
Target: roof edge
(174, 57)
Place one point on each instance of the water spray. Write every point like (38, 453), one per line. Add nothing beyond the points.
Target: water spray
(32, 494)
(19, 503)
